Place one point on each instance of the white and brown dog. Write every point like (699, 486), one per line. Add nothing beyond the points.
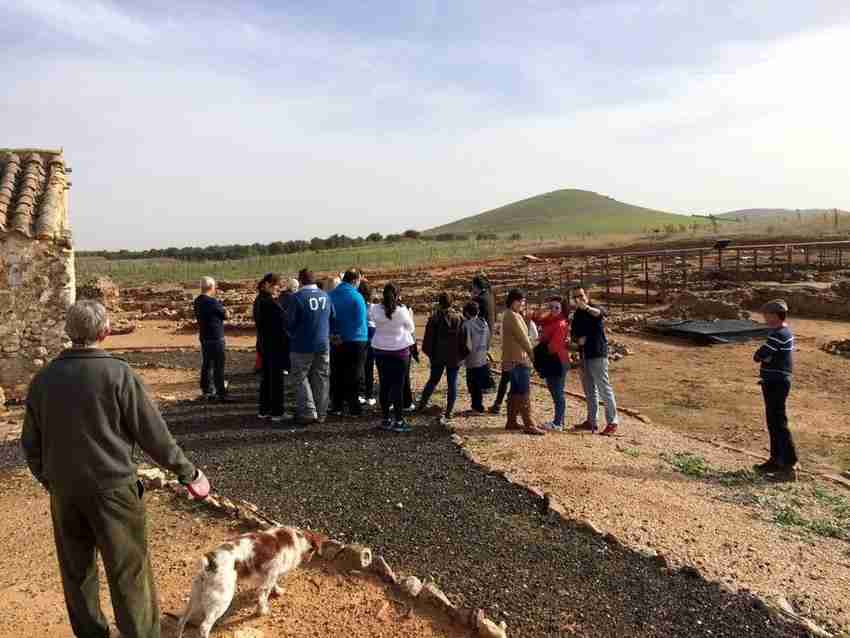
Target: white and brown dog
(260, 556)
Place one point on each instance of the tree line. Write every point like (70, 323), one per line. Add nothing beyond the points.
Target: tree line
(316, 244)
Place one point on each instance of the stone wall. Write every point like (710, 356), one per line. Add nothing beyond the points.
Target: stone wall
(36, 288)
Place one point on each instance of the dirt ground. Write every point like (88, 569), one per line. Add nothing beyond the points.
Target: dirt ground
(317, 601)
(712, 391)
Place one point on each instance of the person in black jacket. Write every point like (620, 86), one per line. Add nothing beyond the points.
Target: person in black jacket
(210, 314)
(270, 318)
(446, 342)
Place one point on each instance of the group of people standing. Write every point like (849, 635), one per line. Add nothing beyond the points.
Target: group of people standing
(328, 337)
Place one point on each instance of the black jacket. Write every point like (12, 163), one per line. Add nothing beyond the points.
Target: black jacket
(210, 315)
(446, 341)
(592, 328)
(270, 317)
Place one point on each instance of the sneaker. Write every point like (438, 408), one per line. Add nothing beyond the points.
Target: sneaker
(610, 430)
(551, 425)
(386, 425)
(361, 400)
(587, 426)
(334, 412)
(260, 415)
(495, 409)
(411, 408)
(401, 426)
(371, 402)
(445, 421)
(207, 396)
(277, 419)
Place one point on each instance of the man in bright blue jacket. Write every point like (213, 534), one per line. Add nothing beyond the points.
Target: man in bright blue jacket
(351, 326)
(308, 316)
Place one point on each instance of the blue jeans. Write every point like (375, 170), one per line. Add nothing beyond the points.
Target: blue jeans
(595, 381)
(434, 379)
(556, 389)
(520, 381)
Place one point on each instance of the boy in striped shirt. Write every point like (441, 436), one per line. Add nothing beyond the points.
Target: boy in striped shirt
(776, 359)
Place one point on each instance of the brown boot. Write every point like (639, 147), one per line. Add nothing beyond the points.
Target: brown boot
(527, 418)
(513, 413)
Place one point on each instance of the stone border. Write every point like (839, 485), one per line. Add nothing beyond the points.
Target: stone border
(780, 610)
(351, 559)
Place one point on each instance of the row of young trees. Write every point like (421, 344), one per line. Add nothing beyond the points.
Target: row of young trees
(242, 251)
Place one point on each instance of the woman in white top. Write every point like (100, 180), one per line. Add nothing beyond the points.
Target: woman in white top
(391, 343)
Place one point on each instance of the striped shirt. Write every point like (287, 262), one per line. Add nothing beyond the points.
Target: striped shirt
(776, 355)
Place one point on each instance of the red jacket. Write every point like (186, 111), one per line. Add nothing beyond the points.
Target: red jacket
(554, 331)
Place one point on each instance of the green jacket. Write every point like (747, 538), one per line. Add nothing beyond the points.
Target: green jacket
(86, 412)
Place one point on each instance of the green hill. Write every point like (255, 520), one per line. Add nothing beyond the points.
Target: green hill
(566, 212)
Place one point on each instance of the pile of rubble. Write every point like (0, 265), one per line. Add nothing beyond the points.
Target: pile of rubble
(692, 306)
(617, 350)
(840, 348)
(101, 289)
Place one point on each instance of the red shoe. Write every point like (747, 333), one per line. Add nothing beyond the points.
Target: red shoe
(610, 430)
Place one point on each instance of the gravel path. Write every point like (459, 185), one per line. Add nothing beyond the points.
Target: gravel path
(415, 499)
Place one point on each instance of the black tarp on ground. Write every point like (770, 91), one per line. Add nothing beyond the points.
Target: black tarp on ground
(711, 332)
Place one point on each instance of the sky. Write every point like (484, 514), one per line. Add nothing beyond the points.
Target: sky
(242, 122)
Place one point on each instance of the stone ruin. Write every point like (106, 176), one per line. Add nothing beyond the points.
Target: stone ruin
(101, 289)
(36, 263)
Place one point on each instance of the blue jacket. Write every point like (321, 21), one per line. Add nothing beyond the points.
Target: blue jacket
(308, 316)
(210, 315)
(351, 322)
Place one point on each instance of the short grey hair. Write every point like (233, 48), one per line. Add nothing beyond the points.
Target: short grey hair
(292, 285)
(85, 321)
(207, 283)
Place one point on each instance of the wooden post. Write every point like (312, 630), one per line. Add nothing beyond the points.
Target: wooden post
(738, 264)
(806, 255)
(646, 277)
(607, 278)
(773, 260)
(684, 273)
(623, 275)
(662, 281)
(755, 261)
(701, 264)
(790, 265)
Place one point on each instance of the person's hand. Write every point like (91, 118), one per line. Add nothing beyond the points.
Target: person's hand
(199, 488)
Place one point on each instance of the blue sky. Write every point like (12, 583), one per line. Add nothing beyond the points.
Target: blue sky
(242, 122)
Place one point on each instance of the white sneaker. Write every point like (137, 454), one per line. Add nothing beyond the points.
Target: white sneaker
(277, 419)
(262, 416)
(550, 425)
(371, 402)
(361, 400)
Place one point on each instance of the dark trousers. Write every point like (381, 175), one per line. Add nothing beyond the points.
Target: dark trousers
(391, 374)
(367, 384)
(407, 392)
(775, 392)
(476, 382)
(504, 380)
(350, 362)
(434, 379)
(212, 367)
(271, 385)
(113, 523)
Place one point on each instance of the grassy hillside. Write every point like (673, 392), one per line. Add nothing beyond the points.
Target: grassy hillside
(566, 212)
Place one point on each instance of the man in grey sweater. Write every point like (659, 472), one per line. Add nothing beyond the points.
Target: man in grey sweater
(86, 413)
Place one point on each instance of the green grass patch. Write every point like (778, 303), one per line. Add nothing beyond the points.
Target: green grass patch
(401, 255)
(689, 464)
(787, 516)
(630, 451)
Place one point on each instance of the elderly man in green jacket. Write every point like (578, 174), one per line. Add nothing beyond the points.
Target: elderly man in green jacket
(86, 413)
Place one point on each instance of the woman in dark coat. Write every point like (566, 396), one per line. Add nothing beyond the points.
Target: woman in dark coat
(270, 319)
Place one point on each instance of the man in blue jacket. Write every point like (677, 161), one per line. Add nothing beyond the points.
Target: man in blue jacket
(351, 324)
(308, 316)
(211, 314)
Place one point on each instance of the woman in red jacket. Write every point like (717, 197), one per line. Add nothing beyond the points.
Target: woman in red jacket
(555, 333)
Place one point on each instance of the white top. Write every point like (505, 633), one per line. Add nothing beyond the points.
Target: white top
(393, 334)
(369, 314)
